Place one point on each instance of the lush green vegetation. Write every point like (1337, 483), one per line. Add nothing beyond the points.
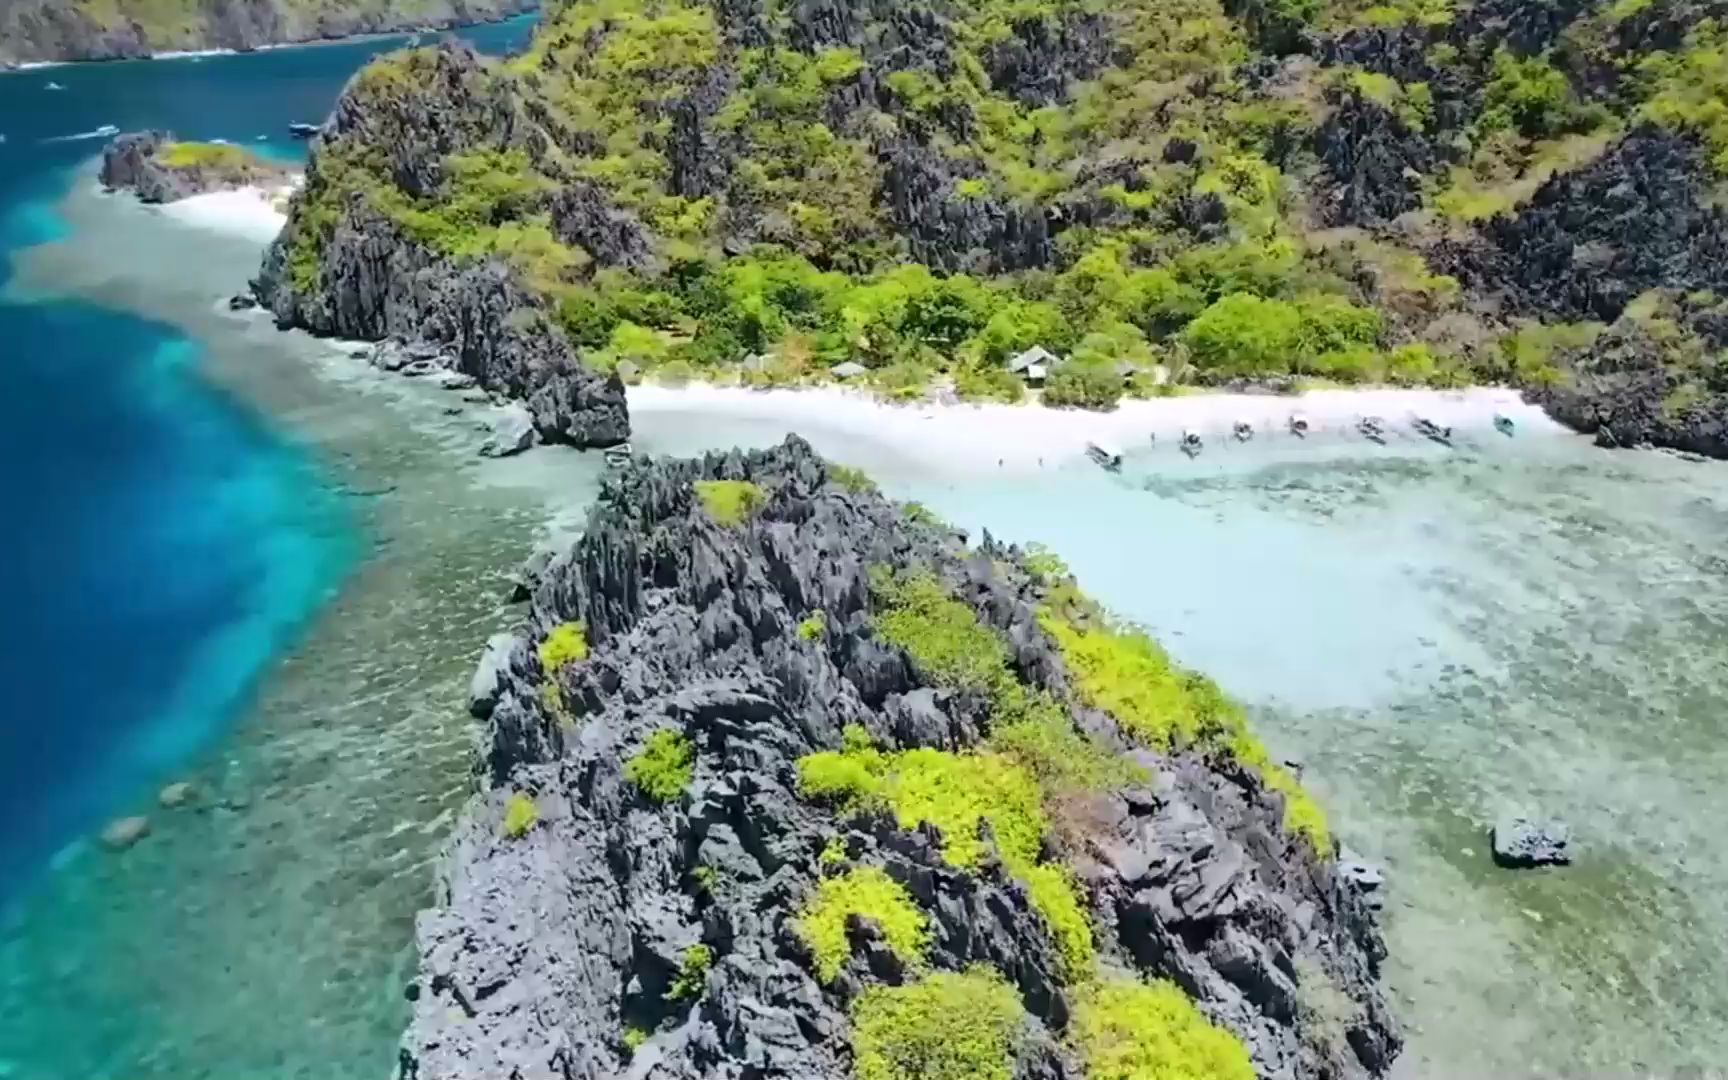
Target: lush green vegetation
(848, 478)
(1124, 672)
(692, 973)
(793, 254)
(1688, 89)
(729, 502)
(663, 767)
(945, 1026)
(1128, 1030)
(956, 793)
(566, 644)
(869, 892)
(204, 155)
(811, 626)
(520, 815)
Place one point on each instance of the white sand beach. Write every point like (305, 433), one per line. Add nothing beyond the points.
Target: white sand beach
(254, 213)
(1030, 436)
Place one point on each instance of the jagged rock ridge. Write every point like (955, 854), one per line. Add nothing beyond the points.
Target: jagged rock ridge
(545, 948)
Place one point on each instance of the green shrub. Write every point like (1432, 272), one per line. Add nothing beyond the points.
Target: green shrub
(811, 626)
(1533, 97)
(946, 1026)
(692, 973)
(989, 384)
(204, 155)
(729, 502)
(833, 852)
(869, 892)
(664, 765)
(520, 815)
(1033, 729)
(634, 1037)
(1055, 898)
(850, 479)
(1083, 385)
(941, 635)
(706, 878)
(1242, 334)
(566, 644)
(1044, 564)
(1127, 674)
(1687, 90)
(1150, 1031)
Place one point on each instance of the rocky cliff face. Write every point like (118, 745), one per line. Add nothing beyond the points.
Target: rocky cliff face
(35, 30)
(351, 270)
(574, 900)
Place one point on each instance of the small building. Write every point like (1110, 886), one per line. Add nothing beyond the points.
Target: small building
(1033, 365)
(851, 369)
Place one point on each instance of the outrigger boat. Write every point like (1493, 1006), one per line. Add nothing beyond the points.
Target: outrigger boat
(1428, 429)
(1107, 458)
(1503, 424)
(302, 131)
(1299, 425)
(1243, 431)
(1373, 429)
(1191, 444)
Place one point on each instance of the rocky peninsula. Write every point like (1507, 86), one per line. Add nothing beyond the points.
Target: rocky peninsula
(36, 31)
(786, 780)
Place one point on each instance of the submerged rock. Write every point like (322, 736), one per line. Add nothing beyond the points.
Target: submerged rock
(122, 833)
(572, 899)
(1521, 843)
(175, 795)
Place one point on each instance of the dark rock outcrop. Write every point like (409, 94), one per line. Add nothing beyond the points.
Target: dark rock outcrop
(135, 162)
(1591, 240)
(1521, 844)
(1374, 162)
(373, 281)
(546, 948)
(1626, 389)
(36, 30)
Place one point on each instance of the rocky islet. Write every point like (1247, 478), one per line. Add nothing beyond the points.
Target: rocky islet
(575, 894)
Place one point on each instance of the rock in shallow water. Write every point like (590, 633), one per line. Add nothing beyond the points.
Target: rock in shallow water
(512, 433)
(175, 795)
(122, 833)
(1521, 843)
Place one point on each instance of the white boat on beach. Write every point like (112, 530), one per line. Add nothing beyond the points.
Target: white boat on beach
(1191, 443)
(1299, 425)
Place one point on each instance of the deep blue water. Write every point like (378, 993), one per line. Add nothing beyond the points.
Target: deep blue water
(159, 542)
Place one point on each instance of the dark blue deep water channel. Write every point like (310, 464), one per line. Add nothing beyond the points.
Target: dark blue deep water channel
(159, 542)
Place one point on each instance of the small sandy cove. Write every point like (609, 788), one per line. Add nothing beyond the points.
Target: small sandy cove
(984, 435)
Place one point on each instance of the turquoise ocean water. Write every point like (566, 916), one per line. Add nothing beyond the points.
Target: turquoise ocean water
(162, 540)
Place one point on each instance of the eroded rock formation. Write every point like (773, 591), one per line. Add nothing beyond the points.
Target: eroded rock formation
(552, 943)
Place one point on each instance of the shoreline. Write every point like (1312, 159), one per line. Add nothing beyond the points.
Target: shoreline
(1033, 436)
(23, 66)
(993, 434)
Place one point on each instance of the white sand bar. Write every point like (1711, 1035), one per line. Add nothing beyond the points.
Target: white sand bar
(1030, 435)
(254, 213)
